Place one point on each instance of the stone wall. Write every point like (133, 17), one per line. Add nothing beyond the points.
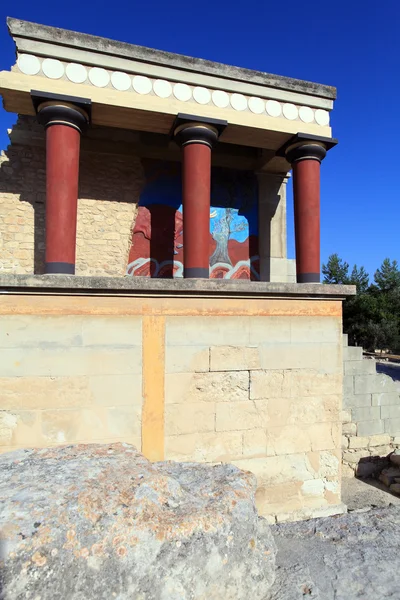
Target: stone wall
(371, 413)
(256, 383)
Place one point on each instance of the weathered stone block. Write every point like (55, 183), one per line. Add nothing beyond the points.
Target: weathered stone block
(62, 426)
(204, 447)
(345, 442)
(324, 436)
(289, 439)
(69, 362)
(207, 331)
(195, 417)
(352, 353)
(270, 384)
(392, 426)
(366, 413)
(355, 457)
(274, 470)
(112, 331)
(345, 416)
(331, 358)
(236, 416)
(370, 427)
(383, 399)
(233, 358)
(379, 440)
(269, 330)
(296, 356)
(167, 529)
(311, 383)
(26, 331)
(358, 442)
(255, 443)
(360, 367)
(187, 359)
(390, 411)
(348, 385)
(114, 390)
(357, 400)
(315, 330)
(313, 487)
(349, 428)
(206, 387)
(373, 384)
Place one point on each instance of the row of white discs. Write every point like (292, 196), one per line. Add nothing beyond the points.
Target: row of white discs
(54, 69)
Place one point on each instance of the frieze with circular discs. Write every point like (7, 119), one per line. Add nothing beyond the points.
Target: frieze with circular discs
(163, 89)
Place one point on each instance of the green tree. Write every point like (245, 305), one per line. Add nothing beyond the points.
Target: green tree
(360, 278)
(335, 270)
(387, 277)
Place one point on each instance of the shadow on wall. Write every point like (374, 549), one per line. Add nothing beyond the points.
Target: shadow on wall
(157, 240)
(102, 177)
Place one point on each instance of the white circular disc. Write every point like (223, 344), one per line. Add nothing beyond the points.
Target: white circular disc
(120, 81)
(202, 95)
(182, 92)
(99, 77)
(28, 64)
(220, 98)
(141, 84)
(322, 117)
(76, 73)
(306, 114)
(238, 102)
(273, 108)
(162, 88)
(52, 68)
(256, 105)
(290, 111)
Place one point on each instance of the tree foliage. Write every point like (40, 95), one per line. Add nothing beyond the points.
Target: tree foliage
(372, 317)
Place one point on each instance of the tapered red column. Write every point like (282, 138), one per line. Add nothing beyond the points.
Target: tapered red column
(196, 140)
(64, 124)
(306, 162)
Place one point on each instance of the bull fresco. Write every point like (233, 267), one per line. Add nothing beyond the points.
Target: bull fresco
(157, 238)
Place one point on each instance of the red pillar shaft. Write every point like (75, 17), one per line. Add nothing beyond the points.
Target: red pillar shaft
(196, 182)
(306, 191)
(62, 173)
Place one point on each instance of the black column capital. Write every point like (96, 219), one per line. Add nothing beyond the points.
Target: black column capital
(310, 151)
(56, 109)
(304, 146)
(189, 129)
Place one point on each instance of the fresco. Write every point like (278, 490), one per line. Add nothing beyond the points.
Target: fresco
(157, 238)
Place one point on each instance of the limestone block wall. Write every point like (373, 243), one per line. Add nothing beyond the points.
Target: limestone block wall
(371, 413)
(257, 383)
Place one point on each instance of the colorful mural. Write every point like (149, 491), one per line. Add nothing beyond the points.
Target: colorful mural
(157, 239)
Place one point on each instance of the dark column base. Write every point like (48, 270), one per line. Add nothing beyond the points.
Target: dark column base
(64, 268)
(308, 278)
(196, 272)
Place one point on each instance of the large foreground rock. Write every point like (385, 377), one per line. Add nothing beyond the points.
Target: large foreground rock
(100, 521)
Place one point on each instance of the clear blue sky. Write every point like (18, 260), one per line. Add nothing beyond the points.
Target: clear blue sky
(351, 44)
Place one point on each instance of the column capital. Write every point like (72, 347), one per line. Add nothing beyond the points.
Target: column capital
(57, 109)
(306, 147)
(190, 129)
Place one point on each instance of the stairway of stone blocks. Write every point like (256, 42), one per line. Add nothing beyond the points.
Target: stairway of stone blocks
(370, 415)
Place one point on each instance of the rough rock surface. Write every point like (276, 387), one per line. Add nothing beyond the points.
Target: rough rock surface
(350, 557)
(100, 521)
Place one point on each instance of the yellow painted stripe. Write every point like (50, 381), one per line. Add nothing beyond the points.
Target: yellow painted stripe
(11, 304)
(153, 356)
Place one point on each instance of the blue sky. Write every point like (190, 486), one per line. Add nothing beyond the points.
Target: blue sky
(353, 45)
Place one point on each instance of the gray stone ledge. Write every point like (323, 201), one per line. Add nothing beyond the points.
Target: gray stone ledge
(42, 33)
(135, 286)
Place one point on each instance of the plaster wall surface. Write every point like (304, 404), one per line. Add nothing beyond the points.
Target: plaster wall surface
(257, 383)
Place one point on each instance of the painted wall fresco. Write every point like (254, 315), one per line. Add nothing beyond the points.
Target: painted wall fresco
(157, 238)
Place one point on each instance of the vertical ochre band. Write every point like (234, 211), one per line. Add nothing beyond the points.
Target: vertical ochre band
(153, 356)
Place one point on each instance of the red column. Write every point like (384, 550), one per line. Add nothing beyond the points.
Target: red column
(64, 123)
(306, 163)
(196, 187)
(62, 173)
(196, 140)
